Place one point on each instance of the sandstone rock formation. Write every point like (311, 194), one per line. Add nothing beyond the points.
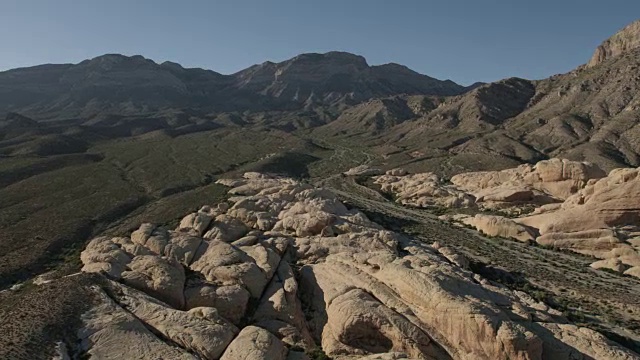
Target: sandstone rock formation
(512, 190)
(308, 273)
(254, 343)
(596, 221)
(539, 183)
(577, 206)
(500, 226)
(423, 190)
(609, 202)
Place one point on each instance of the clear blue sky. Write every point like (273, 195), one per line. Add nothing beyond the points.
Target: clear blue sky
(466, 41)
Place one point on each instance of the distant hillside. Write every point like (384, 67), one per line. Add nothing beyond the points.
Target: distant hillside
(591, 113)
(122, 85)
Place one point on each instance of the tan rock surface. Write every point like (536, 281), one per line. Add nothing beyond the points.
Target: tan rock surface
(103, 255)
(231, 301)
(162, 278)
(226, 228)
(110, 332)
(224, 264)
(151, 237)
(280, 310)
(254, 343)
(182, 247)
(318, 274)
(199, 221)
(500, 226)
(423, 190)
(201, 330)
(397, 172)
(573, 342)
(559, 178)
(605, 203)
(611, 264)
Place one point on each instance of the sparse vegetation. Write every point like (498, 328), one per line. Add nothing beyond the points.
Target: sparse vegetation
(317, 354)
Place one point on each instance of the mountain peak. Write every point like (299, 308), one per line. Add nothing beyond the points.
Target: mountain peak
(335, 57)
(623, 41)
(107, 61)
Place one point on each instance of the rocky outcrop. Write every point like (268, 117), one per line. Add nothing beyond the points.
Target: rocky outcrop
(254, 343)
(611, 264)
(200, 330)
(160, 277)
(572, 205)
(111, 332)
(609, 202)
(308, 273)
(553, 178)
(623, 41)
(363, 170)
(105, 255)
(596, 220)
(424, 190)
(500, 226)
(512, 190)
(397, 172)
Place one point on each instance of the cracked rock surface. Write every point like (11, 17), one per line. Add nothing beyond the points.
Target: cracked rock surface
(287, 270)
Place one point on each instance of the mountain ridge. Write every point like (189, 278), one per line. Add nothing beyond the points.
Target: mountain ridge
(98, 84)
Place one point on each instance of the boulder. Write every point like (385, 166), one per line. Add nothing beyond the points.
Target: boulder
(453, 256)
(231, 301)
(227, 229)
(633, 271)
(102, 255)
(151, 237)
(255, 343)
(182, 247)
(611, 264)
(197, 222)
(224, 264)
(160, 277)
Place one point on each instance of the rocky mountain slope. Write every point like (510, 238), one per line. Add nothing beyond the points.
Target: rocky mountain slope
(122, 85)
(591, 113)
(623, 41)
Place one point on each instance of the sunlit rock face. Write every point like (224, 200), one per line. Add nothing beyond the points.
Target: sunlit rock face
(288, 269)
